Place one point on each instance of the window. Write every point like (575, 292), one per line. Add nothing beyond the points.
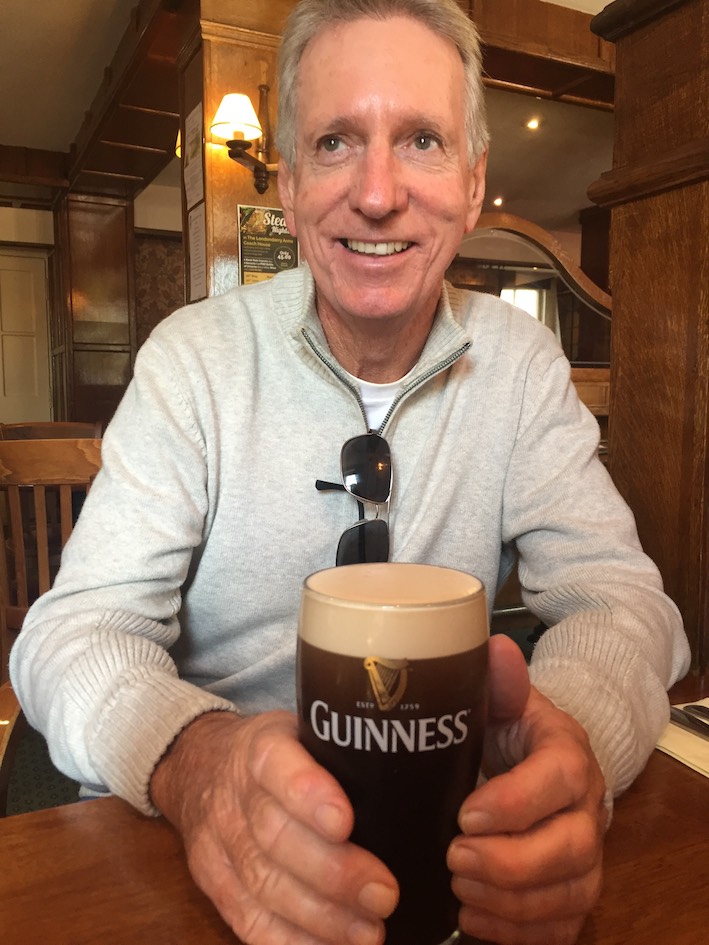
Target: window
(526, 299)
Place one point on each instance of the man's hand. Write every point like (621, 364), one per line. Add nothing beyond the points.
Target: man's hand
(266, 833)
(527, 868)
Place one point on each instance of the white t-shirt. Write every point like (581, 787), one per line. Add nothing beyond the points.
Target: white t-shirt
(378, 398)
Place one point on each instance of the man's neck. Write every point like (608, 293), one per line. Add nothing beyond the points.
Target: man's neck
(375, 350)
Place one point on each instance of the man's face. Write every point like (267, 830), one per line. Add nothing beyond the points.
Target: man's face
(381, 192)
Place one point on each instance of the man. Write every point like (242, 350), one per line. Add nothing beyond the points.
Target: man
(205, 519)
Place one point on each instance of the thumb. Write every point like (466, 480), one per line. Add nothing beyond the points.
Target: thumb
(508, 679)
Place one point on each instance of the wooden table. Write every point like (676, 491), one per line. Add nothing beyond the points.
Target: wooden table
(97, 873)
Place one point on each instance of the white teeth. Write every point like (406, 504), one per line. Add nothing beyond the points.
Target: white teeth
(377, 249)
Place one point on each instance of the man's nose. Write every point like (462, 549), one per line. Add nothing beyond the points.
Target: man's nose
(378, 188)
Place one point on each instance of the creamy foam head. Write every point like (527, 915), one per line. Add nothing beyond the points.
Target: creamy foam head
(397, 610)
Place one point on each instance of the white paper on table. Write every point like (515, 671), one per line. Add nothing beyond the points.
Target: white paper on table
(691, 750)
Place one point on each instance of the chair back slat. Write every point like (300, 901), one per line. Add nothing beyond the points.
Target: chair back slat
(66, 511)
(43, 483)
(17, 544)
(41, 537)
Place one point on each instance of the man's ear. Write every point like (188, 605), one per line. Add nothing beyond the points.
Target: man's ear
(476, 191)
(286, 187)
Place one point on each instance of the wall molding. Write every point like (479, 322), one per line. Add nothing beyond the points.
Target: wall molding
(688, 164)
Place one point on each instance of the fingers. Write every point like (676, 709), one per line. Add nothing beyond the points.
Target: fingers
(300, 820)
(266, 904)
(270, 848)
(560, 774)
(241, 909)
(286, 771)
(555, 902)
(528, 866)
(342, 872)
(556, 851)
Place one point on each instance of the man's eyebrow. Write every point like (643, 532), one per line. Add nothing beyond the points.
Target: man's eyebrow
(332, 125)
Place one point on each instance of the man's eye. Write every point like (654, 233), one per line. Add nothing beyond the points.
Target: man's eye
(331, 143)
(425, 142)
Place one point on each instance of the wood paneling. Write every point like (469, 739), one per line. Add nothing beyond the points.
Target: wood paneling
(112, 154)
(659, 420)
(94, 347)
(32, 166)
(254, 15)
(595, 244)
(544, 49)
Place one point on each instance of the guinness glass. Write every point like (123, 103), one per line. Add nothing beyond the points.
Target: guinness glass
(392, 665)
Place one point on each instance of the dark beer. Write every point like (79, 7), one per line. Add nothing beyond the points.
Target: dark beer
(397, 716)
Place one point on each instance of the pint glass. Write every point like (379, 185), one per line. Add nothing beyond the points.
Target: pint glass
(392, 665)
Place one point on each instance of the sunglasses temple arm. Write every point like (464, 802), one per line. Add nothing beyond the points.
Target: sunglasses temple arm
(323, 486)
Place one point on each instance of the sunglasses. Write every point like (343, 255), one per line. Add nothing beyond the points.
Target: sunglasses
(365, 464)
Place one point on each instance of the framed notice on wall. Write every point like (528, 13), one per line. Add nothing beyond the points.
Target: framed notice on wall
(193, 158)
(265, 245)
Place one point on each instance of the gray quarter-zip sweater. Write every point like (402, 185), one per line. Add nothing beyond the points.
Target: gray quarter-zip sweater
(179, 589)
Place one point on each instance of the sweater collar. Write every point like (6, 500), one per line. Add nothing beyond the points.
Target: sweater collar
(294, 303)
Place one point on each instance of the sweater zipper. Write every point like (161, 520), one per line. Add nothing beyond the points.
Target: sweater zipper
(412, 385)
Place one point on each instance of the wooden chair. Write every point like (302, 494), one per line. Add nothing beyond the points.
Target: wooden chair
(50, 430)
(40, 481)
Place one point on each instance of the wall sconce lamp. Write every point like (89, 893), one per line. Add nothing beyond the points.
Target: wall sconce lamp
(237, 124)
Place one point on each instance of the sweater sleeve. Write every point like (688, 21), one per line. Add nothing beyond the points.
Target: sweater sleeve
(616, 641)
(91, 664)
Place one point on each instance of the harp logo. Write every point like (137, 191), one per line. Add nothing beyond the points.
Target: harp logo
(388, 679)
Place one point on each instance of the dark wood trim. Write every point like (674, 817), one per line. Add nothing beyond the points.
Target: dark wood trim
(33, 166)
(622, 17)
(128, 146)
(537, 91)
(143, 233)
(544, 49)
(145, 110)
(687, 164)
(40, 247)
(133, 46)
(110, 175)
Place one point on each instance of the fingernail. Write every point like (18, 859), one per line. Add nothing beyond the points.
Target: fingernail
(364, 933)
(330, 819)
(462, 860)
(378, 898)
(476, 821)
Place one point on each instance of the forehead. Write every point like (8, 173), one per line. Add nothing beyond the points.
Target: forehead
(380, 63)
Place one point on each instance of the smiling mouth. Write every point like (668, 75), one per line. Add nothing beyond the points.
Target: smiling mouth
(375, 249)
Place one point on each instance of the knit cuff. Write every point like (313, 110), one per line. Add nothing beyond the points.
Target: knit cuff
(138, 725)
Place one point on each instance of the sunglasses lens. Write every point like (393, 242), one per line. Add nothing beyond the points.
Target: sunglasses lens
(366, 468)
(365, 542)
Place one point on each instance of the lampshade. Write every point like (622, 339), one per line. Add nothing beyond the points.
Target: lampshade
(236, 118)
(178, 145)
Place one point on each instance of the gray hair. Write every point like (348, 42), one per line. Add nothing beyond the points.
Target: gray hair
(443, 17)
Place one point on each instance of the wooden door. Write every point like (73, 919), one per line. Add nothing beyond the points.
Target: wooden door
(24, 353)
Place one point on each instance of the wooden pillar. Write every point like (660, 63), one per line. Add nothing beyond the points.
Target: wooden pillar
(234, 49)
(658, 190)
(93, 328)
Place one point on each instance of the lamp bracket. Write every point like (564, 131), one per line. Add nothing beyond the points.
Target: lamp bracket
(238, 151)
